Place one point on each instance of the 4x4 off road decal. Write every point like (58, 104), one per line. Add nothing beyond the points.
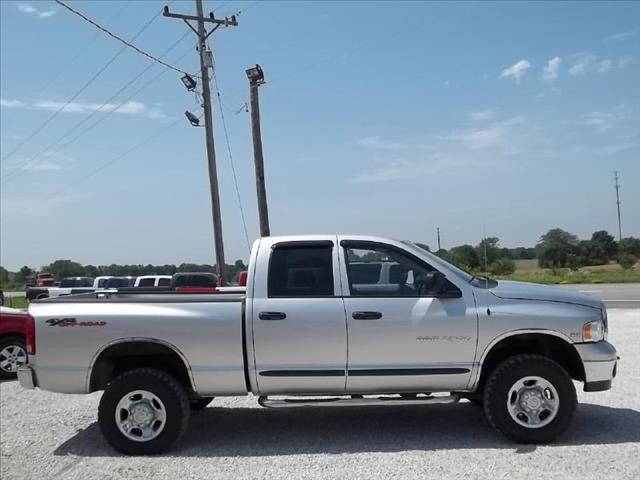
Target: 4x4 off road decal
(72, 322)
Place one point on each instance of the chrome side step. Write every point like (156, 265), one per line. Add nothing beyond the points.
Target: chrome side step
(355, 402)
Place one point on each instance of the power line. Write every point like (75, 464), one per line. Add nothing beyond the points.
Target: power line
(82, 50)
(104, 165)
(233, 168)
(84, 87)
(21, 168)
(127, 44)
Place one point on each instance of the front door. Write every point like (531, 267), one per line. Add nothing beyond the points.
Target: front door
(402, 339)
(299, 325)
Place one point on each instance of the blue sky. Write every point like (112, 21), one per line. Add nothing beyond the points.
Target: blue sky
(386, 118)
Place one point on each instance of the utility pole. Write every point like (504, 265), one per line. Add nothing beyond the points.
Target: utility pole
(206, 61)
(438, 232)
(618, 204)
(256, 78)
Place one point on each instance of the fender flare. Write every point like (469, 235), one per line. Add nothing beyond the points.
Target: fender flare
(157, 341)
(475, 377)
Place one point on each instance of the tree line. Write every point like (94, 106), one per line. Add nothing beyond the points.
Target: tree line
(557, 248)
(69, 268)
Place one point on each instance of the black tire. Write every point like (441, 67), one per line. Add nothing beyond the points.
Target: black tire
(11, 343)
(200, 403)
(506, 375)
(159, 383)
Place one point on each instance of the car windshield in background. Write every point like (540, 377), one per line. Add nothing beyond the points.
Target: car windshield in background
(76, 282)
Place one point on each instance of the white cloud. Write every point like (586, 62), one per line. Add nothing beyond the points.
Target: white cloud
(369, 141)
(482, 115)
(605, 66)
(11, 103)
(622, 35)
(31, 10)
(42, 166)
(130, 107)
(447, 84)
(552, 69)
(606, 121)
(587, 63)
(516, 71)
(623, 62)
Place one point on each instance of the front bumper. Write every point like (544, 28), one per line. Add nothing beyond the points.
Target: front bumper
(26, 377)
(600, 362)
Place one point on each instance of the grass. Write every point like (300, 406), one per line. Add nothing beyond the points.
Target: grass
(604, 274)
(15, 302)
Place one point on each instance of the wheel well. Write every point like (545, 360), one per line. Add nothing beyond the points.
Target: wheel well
(549, 346)
(121, 357)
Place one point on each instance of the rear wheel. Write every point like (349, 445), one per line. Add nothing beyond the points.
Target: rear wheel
(13, 354)
(530, 399)
(143, 411)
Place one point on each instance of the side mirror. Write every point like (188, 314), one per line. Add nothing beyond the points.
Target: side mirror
(432, 284)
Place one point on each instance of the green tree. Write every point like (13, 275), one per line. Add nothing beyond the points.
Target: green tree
(630, 246)
(4, 275)
(554, 248)
(64, 268)
(503, 266)
(604, 242)
(24, 274)
(464, 256)
(489, 247)
(91, 271)
(627, 261)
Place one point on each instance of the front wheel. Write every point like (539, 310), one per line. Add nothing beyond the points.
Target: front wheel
(530, 399)
(143, 411)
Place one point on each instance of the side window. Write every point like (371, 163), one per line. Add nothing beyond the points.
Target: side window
(399, 275)
(301, 271)
(147, 282)
(164, 282)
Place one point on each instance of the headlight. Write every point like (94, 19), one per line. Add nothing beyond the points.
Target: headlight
(593, 331)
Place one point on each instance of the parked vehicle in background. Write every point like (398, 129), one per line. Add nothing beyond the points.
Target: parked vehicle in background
(119, 282)
(101, 281)
(67, 286)
(42, 280)
(194, 282)
(309, 327)
(153, 281)
(13, 351)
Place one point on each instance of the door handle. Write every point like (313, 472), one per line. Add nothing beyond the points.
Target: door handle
(272, 315)
(366, 315)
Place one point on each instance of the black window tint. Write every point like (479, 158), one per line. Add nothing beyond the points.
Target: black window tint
(147, 282)
(301, 271)
(366, 272)
(164, 282)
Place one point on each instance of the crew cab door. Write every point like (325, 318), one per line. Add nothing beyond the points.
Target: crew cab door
(401, 338)
(298, 318)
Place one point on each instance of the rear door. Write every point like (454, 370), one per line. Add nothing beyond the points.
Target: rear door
(298, 318)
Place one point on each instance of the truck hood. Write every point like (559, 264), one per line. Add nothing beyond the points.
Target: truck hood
(531, 291)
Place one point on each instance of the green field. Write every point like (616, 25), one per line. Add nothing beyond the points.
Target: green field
(529, 271)
(15, 302)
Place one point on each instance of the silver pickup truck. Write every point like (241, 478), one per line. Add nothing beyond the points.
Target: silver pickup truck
(332, 320)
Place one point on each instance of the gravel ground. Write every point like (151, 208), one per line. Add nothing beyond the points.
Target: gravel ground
(49, 436)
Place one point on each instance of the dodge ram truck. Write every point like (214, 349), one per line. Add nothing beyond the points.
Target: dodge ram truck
(313, 329)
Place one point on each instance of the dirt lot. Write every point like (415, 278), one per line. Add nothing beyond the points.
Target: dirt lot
(47, 436)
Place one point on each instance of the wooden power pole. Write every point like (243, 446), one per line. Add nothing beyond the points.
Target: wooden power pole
(205, 63)
(256, 78)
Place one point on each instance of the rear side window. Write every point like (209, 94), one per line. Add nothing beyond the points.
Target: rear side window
(164, 282)
(301, 271)
(147, 282)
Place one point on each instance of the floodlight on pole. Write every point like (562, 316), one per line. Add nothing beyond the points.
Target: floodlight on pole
(195, 121)
(189, 82)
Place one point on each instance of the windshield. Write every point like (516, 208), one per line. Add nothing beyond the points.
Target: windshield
(437, 260)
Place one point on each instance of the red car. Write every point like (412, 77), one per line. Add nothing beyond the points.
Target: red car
(14, 326)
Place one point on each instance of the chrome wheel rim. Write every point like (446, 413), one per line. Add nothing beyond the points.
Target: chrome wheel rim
(140, 416)
(533, 402)
(12, 357)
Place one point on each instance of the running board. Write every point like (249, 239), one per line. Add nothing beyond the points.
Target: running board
(354, 402)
